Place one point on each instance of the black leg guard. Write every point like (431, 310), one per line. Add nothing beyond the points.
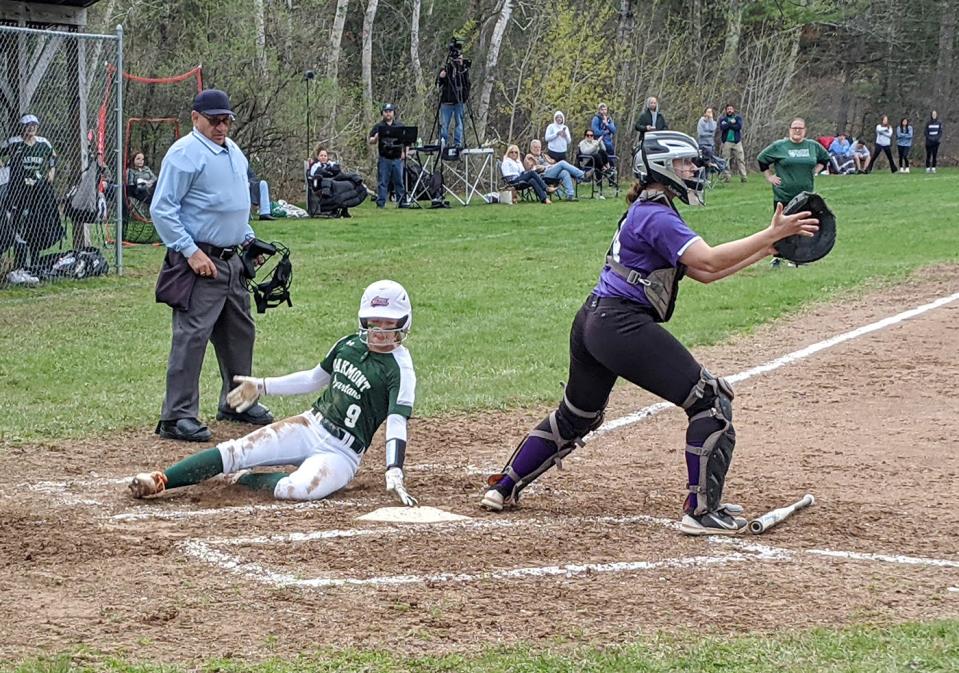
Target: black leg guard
(710, 440)
(545, 446)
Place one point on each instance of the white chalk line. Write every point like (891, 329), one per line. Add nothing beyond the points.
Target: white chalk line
(199, 550)
(784, 360)
(746, 550)
(168, 514)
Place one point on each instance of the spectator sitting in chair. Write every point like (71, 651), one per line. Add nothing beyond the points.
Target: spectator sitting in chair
(592, 153)
(860, 155)
(840, 155)
(259, 194)
(141, 181)
(514, 174)
(324, 167)
(554, 170)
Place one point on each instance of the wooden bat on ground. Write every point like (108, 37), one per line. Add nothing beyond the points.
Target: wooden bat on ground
(777, 516)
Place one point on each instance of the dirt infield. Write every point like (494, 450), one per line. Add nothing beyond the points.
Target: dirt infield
(867, 425)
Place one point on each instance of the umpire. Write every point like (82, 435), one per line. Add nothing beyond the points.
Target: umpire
(201, 211)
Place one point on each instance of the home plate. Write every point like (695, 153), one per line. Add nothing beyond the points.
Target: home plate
(411, 515)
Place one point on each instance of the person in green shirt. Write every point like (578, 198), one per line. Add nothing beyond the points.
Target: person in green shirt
(791, 164)
(367, 379)
(30, 202)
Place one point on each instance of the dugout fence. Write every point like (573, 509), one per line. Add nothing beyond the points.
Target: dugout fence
(61, 150)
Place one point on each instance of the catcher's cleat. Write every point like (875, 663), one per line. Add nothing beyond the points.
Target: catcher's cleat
(494, 501)
(719, 522)
(147, 484)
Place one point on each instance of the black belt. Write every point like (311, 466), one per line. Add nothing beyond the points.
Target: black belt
(217, 252)
(340, 433)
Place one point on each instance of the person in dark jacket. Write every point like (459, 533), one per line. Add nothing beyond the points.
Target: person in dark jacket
(652, 118)
(454, 83)
(933, 135)
(731, 136)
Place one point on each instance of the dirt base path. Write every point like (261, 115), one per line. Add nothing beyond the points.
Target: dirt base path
(868, 426)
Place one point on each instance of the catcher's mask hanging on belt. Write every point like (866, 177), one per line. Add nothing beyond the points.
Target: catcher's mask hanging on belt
(274, 289)
(804, 249)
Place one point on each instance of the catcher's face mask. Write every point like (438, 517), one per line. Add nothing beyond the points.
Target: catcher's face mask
(276, 273)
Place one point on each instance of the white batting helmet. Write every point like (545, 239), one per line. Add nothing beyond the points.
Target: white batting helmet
(388, 300)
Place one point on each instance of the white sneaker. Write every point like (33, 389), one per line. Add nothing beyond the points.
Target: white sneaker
(493, 501)
(147, 484)
(933, 169)
(720, 522)
(22, 277)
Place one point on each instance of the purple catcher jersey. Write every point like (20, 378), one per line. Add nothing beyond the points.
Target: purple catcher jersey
(653, 236)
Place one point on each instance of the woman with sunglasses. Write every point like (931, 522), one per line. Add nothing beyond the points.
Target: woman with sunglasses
(517, 176)
(592, 152)
(618, 332)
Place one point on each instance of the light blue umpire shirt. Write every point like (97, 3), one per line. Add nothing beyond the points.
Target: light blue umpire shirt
(202, 195)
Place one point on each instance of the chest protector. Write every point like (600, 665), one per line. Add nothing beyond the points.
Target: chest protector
(660, 286)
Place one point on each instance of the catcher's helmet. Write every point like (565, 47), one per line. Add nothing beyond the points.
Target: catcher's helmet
(653, 162)
(388, 300)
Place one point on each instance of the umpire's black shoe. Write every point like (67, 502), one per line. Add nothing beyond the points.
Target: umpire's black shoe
(255, 415)
(184, 429)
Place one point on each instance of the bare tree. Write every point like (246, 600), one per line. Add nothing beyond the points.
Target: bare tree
(492, 56)
(336, 38)
(367, 58)
(942, 87)
(259, 24)
(415, 48)
(729, 62)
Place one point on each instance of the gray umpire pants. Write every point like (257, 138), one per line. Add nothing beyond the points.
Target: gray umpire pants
(219, 313)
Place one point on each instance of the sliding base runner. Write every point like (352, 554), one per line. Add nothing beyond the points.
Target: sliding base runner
(367, 379)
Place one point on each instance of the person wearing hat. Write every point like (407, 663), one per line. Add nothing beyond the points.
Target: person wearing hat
(34, 223)
(389, 167)
(201, 210)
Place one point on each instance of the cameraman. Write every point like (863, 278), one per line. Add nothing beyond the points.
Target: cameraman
(454, 84)
(389, 168)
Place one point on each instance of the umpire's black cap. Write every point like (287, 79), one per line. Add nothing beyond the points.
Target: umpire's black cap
(212, 102)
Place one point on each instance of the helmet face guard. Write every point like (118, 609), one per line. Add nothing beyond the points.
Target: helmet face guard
(400, 332)
(653, 163)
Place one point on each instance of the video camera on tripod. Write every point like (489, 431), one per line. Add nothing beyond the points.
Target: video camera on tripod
(455, 53)
(453, 83)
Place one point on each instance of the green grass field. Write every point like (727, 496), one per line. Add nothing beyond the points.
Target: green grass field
(494, 289)
(923, 648)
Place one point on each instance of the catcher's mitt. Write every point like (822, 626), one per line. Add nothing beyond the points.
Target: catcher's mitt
(804, 249)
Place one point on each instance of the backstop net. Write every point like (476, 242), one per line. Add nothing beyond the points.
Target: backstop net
(60, 152)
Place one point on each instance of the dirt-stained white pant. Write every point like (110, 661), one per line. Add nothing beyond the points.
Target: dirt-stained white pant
(326, 463)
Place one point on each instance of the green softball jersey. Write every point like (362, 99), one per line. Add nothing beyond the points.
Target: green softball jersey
(366, 387)
(794, 163)
(28, 161)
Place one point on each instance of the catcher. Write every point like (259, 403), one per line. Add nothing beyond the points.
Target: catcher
(618, 333)
(368, 379)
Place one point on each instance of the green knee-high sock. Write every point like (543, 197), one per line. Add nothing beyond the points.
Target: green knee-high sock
(194, 469)
(261, 481)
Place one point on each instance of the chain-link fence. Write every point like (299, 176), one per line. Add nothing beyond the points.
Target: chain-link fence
(61, 112)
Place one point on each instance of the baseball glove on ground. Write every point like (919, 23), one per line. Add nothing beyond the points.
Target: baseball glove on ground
(806, 249)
